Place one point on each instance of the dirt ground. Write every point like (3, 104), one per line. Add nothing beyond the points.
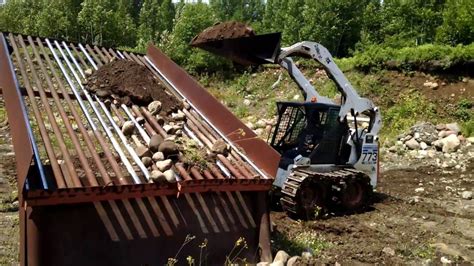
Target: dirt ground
(402, 227)
(9, 230)
(131, 83)
(223, 30)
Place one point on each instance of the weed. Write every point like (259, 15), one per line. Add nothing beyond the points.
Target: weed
(409, 109)
(174, 260)
(464, 110)
(302, 241)
(192, 153)
(239, 246)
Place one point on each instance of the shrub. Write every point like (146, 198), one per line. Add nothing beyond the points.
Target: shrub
(423, 57)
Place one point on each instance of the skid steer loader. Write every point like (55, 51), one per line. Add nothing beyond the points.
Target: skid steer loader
(328, 160)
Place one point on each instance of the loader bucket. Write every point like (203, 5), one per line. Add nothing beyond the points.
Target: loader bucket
(248, 50)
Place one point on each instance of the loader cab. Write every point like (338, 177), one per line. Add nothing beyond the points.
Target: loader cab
(312, 130)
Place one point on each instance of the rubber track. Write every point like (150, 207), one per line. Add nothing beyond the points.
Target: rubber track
(299, 176)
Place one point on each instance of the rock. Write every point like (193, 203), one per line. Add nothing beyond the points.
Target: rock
(467, 195)
(393, 149)
(445, 133)
(470, 140)
(127, 128)
(141, 120)
(268, 129)
(247, 102)
(450, 143)
(422, 154)
(155, 142)
(88, 72)
(440, 127)
(261, 123)
(414, 199)
(420, 189)
(294, 261)
(438, 144)
(407, 138)
(220, 147)
(171, 138)
(168, 148)
(169, 176)
(169, 129)
(160, 120)
(250, 125)
(277, 263)
(102, 93)
(147, 161)
(259, 131)
(164, 165)
(186, 105)
(431, 153)
(179, 116)
(453, 127)
(388, 251)
(157, 176)
(423, 145)
(154, 107)
(412, 144)
(445, 260)
(425, 132)
(143, 151)
(158, 156)
(432, 85)
(281, 256)
(306, 255)
(263, 263)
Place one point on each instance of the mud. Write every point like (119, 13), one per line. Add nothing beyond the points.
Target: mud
(130, 83)
(223, 30)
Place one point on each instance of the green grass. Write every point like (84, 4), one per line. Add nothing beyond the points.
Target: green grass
(423, 57)
(303, 241)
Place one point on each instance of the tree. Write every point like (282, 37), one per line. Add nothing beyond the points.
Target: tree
(335, 24)
(227, 9)
(125, 33)
(97, 21)
(191, 20)
(148, 31)
(293, 21)
(273, 18)
(458, 23)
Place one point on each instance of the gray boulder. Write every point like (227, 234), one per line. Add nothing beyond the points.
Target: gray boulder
(155, 142)
(168, 148)
(451, 143)
(164, 165)
(412, 144)
(154, 107)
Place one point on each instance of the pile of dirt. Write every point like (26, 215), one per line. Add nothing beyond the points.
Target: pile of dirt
(130, 83)
(223, 30)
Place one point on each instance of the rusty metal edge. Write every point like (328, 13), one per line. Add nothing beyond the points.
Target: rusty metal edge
(257, 150)
(22, 134)
(93, 194)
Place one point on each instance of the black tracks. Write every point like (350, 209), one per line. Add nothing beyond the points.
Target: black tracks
(307, 193)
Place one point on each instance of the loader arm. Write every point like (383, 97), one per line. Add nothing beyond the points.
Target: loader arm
(351, 101)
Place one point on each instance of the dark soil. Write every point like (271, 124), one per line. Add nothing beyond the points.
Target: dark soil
(131, 83)
(437, 224)
(223, 30)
